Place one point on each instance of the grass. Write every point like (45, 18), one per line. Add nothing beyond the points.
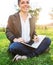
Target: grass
(44, 59)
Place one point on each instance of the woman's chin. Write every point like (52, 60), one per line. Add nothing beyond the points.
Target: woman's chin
(25, 11)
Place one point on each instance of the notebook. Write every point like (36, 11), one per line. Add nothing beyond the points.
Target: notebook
(36, 44)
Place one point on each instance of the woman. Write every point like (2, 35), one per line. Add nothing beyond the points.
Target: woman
(21, 29)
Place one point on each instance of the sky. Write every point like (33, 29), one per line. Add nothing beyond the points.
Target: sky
(7, 7)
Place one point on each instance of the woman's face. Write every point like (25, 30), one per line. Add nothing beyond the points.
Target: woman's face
(24, 5)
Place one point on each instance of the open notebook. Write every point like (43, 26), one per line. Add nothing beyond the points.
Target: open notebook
(36, 44)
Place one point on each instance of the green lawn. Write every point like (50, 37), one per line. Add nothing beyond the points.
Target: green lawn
(44, 59)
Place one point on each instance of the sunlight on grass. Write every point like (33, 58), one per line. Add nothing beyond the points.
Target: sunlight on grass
(52, 57)
(44, 59)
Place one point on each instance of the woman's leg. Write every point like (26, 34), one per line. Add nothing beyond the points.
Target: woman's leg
(19, 48)
(44, 45)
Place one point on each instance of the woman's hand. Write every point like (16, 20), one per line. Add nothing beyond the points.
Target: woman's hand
(19, 40)
(35, 38)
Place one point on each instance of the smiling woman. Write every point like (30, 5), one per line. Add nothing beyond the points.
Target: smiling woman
(20, 30)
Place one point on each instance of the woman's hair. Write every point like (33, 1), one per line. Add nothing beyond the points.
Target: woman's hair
(19, 1)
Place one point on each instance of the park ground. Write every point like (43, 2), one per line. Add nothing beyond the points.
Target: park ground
(44, 59)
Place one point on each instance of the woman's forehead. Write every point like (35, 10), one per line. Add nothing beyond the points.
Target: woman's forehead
(24, 0)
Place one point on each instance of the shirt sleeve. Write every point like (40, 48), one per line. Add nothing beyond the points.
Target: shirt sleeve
(9, 27)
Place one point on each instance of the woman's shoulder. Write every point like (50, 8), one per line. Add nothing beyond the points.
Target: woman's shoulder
(14, 15)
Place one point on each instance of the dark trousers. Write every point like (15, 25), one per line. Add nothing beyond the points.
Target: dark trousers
(19, 48)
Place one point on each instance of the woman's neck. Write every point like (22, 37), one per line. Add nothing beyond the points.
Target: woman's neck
(24, 15)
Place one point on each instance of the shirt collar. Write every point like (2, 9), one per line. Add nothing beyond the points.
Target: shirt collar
(29, 15)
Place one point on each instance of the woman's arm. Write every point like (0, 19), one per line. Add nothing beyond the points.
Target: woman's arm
(9, 28)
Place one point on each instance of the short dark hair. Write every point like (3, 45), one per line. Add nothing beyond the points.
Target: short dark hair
(19, 1)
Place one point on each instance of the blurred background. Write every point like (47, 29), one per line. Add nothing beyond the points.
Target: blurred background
(41, 9)
(43, 13)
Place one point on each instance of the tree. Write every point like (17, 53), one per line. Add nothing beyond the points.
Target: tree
(35, 12)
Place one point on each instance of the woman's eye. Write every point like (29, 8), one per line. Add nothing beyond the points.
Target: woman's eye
(27, 2)
(23, 2)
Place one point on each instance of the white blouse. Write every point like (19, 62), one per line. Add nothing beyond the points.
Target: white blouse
(25, 25)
